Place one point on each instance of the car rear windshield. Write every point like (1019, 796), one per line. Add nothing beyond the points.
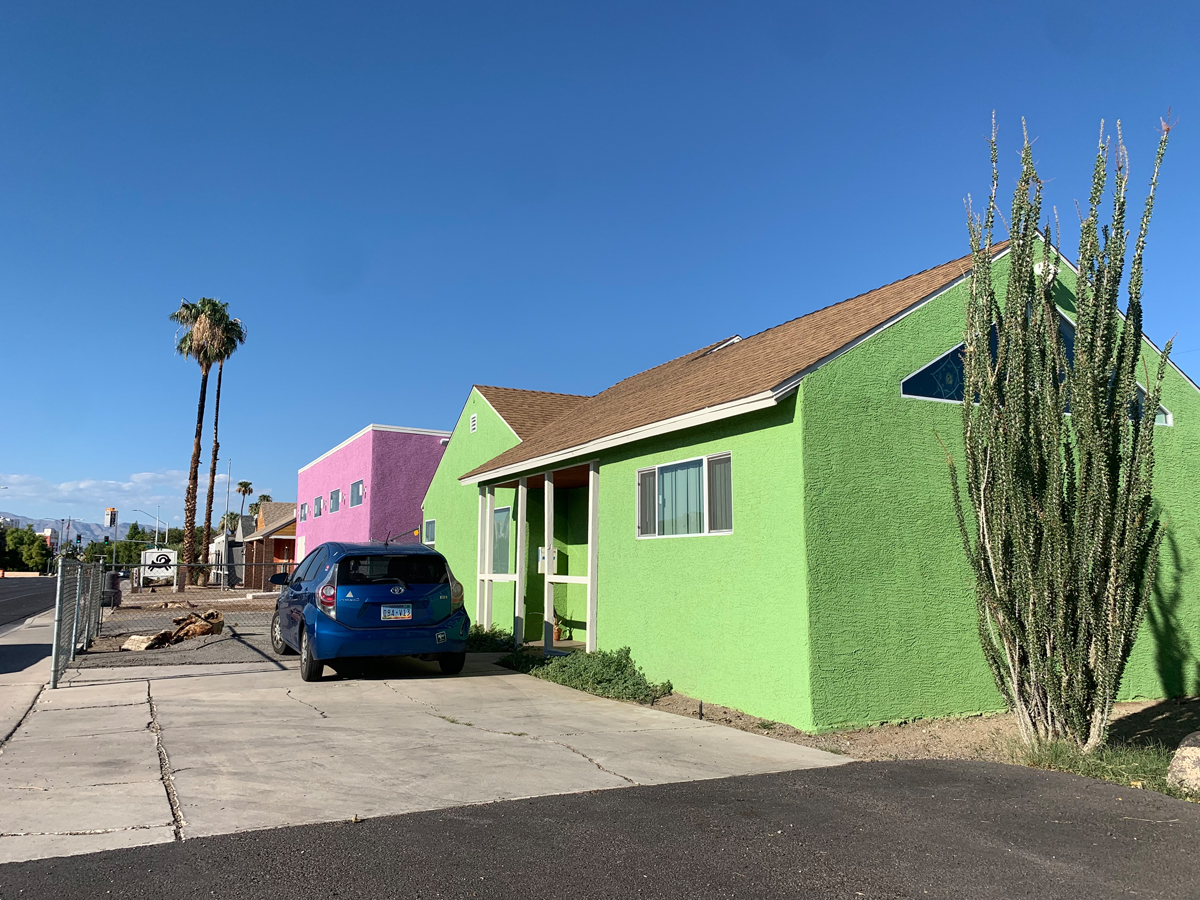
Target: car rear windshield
(393, 570)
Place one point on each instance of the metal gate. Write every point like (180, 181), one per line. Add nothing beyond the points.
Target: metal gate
(76, 611)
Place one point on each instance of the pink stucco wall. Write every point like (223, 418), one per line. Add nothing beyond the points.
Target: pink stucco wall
(395, 467)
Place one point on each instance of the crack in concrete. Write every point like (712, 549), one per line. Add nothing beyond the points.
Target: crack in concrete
(84, 833)
(164, 767)
(72, 708)
(21, 721)
(392, 687)
(539, 740)
(453, 721)
(641, 730)
(306, 703)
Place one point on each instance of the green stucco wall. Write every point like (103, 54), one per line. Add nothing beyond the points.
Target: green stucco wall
(456, 507)
(892, 613)
(722, 616)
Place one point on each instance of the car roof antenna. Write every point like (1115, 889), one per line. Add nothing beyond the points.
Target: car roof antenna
(387, 540)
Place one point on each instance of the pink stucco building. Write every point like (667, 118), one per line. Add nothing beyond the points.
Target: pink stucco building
(367, 488)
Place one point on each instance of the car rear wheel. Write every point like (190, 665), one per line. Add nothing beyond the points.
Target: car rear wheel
(277, 642)
(452, 663)
(310, 669)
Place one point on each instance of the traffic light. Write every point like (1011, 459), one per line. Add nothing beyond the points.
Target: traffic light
(106, 540)
(79, 540)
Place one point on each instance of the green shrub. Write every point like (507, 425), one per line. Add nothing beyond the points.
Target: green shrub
(491, 640)
(1125, 764)
(521, 661)
(605, 673)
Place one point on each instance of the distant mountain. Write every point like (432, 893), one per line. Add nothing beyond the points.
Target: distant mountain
(89, 530)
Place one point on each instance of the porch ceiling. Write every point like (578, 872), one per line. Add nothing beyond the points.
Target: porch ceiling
(573, 477)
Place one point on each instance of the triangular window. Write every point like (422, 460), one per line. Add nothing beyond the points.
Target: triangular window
(943, 378)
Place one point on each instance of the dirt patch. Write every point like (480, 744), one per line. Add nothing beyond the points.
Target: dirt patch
(990, 737)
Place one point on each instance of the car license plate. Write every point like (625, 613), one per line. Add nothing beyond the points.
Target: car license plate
(403, 611)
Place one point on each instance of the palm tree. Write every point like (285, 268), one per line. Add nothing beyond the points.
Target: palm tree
(244, 488)
(197, 343)
(228, 335)
(255, 507)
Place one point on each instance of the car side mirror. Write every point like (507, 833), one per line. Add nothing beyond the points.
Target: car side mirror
(456, 591)
(280, 578)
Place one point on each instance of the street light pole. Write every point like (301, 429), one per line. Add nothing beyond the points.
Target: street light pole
(156, 521)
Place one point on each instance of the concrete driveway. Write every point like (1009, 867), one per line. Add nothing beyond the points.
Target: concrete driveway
(132, 756)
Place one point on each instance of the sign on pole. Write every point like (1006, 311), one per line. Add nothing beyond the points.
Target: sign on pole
(158, 563)
(110, 518)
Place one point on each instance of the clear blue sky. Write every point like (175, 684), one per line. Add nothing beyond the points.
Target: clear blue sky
(400, 200)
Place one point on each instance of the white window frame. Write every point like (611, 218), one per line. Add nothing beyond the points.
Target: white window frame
(303, 512)
(474, 422)
(337, 491)
(362, 494)
(507, 510)
(317, 506)
(425, 532)
(704, 531)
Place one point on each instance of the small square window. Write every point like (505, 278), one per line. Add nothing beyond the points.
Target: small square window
(356, 493)
(474, 422)
(303, 512)
(429, 533)
(335, 500)
(317, 507)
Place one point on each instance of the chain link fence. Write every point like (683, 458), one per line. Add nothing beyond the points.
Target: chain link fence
(77, 610)
(150, 600)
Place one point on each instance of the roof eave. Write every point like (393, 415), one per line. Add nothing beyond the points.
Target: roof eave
(741, 406)
(737, 407)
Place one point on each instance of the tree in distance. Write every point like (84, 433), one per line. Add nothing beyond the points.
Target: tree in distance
(244, 488)
(228, 335)
(255, 507)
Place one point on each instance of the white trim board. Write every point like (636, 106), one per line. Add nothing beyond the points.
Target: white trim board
(354, 437)
(752, 403)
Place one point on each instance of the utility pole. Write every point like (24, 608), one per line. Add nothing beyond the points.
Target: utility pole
(228, 469)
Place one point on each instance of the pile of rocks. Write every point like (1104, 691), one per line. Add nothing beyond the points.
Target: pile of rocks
(189, 626)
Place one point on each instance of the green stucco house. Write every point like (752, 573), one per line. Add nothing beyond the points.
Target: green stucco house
(767, 521)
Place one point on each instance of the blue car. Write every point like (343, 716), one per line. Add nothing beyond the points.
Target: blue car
(362, 600)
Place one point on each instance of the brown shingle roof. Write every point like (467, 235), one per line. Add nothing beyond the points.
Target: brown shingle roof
(527, 412)
(751, 366)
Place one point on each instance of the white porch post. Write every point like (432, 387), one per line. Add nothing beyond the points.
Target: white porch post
(593, 551)
(522, 540)
(489, 545)
(548, 596)
(479, 558)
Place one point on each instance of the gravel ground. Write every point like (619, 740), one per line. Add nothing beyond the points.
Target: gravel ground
(245, 638)
(990, 738)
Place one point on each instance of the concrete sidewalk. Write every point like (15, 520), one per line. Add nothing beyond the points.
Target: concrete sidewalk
(132, 756)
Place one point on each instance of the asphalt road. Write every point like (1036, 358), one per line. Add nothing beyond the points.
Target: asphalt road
(901, 829)
(21, 598)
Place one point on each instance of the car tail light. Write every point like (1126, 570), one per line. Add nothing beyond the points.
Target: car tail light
(327, 600)
(456, 596)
